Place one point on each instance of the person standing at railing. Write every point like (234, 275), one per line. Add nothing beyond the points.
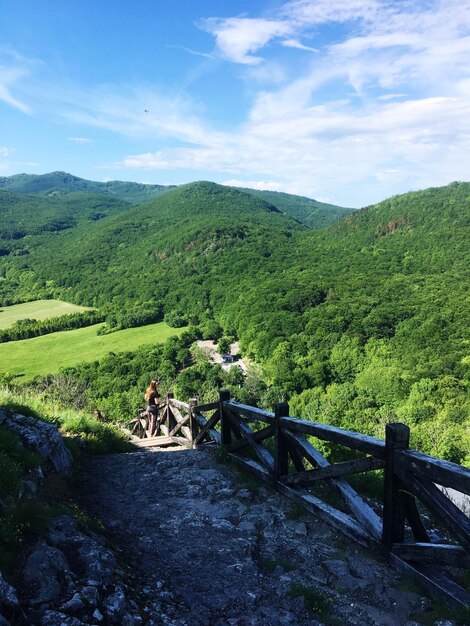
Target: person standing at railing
(153, 401)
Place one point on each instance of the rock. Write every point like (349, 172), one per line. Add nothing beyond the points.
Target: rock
(46, 574)
(248, 526)
(95, 563)
(114, 605)
(89, 595)
(8, 597)
(54, 618)
(98, 615)
(300, 529)
(41, 437)
(74, 604)
(337, 568)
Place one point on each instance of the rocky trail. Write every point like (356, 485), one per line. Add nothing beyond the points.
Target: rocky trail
(210, 547)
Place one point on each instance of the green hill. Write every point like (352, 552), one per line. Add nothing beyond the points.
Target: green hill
(60, 183)
(310, 212)
(357, 323)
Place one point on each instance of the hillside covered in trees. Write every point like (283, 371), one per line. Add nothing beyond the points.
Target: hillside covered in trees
(355, 324)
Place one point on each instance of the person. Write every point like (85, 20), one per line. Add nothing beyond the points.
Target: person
(153, 401)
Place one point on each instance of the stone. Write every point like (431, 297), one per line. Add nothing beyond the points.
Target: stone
(54, 618)
(98, 615)
(248, 526)
(40, 437)
(74, 604)
(46, 574)
(114, 604)
(8, 597)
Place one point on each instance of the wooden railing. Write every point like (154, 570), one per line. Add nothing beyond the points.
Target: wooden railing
(276, 447)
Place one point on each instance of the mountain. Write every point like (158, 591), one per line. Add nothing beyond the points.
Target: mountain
(26, 215)
(59, 183)
(359, 323)
(310, 212)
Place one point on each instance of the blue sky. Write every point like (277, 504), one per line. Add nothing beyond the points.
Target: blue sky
(345, 101)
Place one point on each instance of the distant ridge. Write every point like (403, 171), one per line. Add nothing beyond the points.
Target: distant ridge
(308, 211)
(59, 183)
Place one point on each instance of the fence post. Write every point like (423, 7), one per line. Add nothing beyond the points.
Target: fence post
(170, 420)
(224, 396)
(193, 425)
(397, 437)
(281, 458)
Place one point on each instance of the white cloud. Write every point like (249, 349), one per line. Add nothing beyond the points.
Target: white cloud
(262, 185)
(294, 43)
(4, 151)
(79, 140)
(238, 37)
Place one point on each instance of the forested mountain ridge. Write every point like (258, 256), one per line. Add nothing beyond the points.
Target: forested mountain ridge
(312, 213)
(355, 324)
(60, 183)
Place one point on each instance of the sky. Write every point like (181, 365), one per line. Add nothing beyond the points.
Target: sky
(344, 101)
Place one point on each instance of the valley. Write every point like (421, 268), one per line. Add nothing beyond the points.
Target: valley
(355, 323)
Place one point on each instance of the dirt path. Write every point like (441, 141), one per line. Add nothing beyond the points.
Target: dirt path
(213, 549)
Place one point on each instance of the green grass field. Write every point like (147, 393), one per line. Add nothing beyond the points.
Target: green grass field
(37, 310)
(47, 354)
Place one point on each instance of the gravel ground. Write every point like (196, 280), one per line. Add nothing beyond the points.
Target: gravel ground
(213, 548)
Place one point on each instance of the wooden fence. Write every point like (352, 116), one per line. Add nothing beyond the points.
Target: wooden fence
(278, 450)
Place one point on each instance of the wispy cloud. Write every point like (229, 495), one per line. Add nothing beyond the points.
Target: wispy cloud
(197, 53)
(5, 152)
(238, 38)
(294, 43)
(79, 140)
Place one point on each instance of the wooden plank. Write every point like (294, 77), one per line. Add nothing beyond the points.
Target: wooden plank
(179, 426)
(414, 518)
(245, 431)
(258, 435)
(258, 415)
(342, 522)
(225, 424)
(179, 405)
(296, 457)
(397, 437)
(339, 520)
(155, 442)
(437, 553)
(177, 415)
(334, 471)
(434, 582)
(281, 456)
(362, 511)
(164, 429)
(439, 504)
(211, 432)
(207, 426)
(436, 470)
(200, 408)
(348, 438)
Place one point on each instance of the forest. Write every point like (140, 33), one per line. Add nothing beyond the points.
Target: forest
(355, 323)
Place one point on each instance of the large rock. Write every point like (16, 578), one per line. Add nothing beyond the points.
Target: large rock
(41, 437)
(46, 575)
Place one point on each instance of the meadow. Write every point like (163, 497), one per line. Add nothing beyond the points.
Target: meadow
(38, 310)
(48, 354)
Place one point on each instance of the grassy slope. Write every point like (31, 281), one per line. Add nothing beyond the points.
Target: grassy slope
(47, 354)
(38, 310)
